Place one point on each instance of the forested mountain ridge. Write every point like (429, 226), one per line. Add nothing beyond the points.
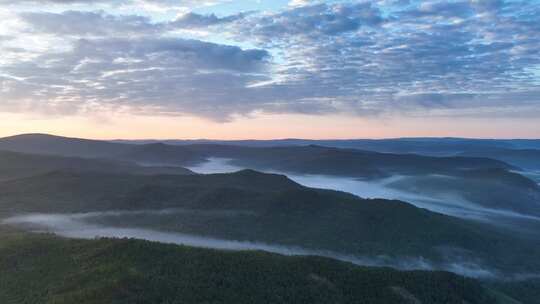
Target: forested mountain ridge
(303, 159)
(47, 269)
(273, 209)
(18, 165)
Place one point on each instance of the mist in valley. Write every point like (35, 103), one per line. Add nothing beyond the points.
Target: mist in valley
(534, 175)
(448, 203)
(115, 224)
(84, 226)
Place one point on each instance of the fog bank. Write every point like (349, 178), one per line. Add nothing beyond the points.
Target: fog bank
(534, 175)
(75, 226)
(450, 204)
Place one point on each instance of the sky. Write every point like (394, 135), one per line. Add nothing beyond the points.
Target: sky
(226, 69)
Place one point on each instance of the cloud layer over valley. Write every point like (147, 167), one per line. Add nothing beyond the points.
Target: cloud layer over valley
(81, 226)
(447, 203)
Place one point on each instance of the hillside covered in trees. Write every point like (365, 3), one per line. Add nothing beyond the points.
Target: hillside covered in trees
(46, 269)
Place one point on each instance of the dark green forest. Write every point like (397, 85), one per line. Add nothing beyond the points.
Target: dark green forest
(38, 268)
(124, 188)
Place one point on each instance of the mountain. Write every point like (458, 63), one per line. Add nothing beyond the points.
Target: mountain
(525, 290)
(481, 181)
(255, 207)
(523, 158)
(300, 159)
(523, 153)
(61, 146)
(17, 165)
(427, 145)
(107, 188)
(163, 154)
(319, 160)
(492, 188)
(45, 269)
(519, 153)
(432, 176)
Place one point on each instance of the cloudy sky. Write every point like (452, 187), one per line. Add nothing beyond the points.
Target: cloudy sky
(270, 68)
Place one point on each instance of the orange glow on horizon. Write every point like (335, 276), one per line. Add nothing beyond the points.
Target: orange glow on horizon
(125, 126)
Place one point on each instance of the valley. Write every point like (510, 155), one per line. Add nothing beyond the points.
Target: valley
(479, 222)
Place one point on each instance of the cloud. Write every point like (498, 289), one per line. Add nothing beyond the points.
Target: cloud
(440, 9)
(169, 75)
(79, 23)
(80, 225)
(170, 3)
(362, 58)
(148, 7)
(193, 20)
(481, 104)
(50, 1)
(297, 3)
(314, 20)
(458, 50)
(101, 24)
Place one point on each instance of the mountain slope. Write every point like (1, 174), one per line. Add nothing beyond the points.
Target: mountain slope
(520, 153)
(420, 145)
(251, 206)
(317, 160)
(45, 269)
(300, 159)
(491, 188)
(17, 165)
(159, 153)
(523, 158)
(61, 146)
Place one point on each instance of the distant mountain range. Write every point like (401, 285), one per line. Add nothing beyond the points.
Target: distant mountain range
(62, 146)
(523, 153)
(303, 159)
(275, 210)
(17, 165)
(146, 187)
(485, 181)
(387, 145)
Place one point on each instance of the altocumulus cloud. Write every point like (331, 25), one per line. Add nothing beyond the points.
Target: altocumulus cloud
(165, 3)
(83, 23)
(165, 74)
(366, 58)
(101, 24)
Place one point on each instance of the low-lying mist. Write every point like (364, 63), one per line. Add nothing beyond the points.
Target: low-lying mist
(534, 175)
(446, 203)
(79, 226)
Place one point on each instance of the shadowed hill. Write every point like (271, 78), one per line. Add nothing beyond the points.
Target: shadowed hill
(427, 146)
(62, 146)
(523, 158)
(521, 153)
(45, 269)
(18, 165)
(272, 209)
(305, 159)
(159, 153)
(492, 188)
(319, 160)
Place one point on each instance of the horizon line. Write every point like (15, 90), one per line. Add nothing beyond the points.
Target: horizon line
(273, 139)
